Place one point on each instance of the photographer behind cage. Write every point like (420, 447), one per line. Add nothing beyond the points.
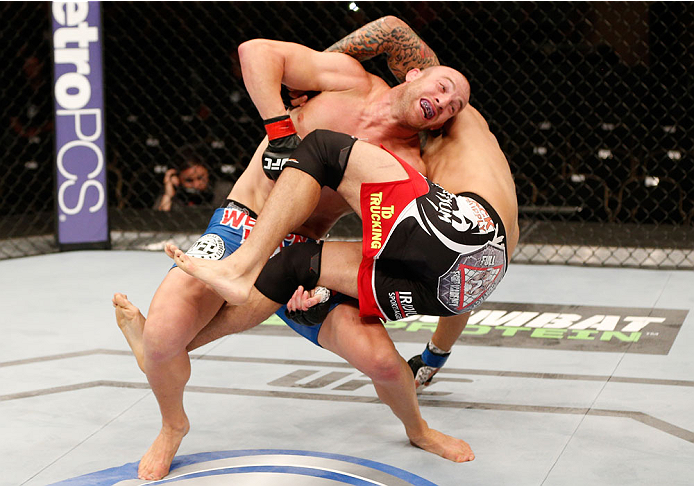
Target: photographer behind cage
(188, 184)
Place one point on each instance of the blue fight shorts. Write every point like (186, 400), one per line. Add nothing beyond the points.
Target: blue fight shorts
(229, 227)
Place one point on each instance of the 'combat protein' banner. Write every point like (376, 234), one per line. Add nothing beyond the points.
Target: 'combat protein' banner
(546, 326)
(82, 217)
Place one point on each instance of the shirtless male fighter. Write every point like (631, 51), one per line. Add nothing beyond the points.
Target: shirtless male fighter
(350, 100)
(426, 250)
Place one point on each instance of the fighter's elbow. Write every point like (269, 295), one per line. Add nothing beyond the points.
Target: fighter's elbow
(392, 21)
(254, 49)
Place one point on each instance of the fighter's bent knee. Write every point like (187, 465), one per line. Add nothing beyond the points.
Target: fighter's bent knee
(384, 365)
(158, 345)
(295, 265)
(323, 155)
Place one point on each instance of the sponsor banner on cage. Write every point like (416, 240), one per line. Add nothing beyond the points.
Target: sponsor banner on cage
(576, 328)
(82, 217)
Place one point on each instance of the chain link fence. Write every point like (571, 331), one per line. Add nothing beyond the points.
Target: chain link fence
(591, 102)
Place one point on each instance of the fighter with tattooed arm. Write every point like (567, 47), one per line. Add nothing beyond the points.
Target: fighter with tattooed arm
(350, 99)
(426, 250)
(434, 247)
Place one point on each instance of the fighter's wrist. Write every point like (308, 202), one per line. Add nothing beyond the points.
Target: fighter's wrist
(279, 127)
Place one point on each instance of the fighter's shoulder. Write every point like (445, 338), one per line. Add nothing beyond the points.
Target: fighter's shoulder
(468, 122)
(364, 80)
(469, 115)
(347, 74)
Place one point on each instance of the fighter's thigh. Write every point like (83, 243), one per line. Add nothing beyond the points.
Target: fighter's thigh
(368, 163)
(363, 342)
(239, 318)
(182, 305)
(340, 266)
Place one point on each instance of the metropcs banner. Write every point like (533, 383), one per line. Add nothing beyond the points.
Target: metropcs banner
(82, 217)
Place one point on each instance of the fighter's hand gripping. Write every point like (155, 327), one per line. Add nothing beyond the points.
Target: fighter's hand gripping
(309, 308)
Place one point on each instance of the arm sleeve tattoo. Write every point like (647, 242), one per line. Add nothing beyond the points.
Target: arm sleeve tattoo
(392, 37)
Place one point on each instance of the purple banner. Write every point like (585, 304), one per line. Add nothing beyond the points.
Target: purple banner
(79, 125)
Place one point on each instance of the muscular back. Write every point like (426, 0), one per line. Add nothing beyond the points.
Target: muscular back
(467, 157)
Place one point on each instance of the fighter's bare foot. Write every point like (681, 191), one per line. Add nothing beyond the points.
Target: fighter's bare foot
(131, 323)
(156, 462)
(448, 447)
(230, 282)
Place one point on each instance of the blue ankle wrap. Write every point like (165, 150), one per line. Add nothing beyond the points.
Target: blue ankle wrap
(434, 360)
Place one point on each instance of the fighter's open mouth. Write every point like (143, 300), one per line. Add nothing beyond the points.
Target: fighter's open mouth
(427, 108)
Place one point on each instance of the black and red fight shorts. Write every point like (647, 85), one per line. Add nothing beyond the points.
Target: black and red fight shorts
(426, 251)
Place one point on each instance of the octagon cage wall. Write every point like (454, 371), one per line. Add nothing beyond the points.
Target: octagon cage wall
(591, 103)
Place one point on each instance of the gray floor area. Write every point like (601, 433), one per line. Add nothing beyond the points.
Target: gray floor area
(607, 412)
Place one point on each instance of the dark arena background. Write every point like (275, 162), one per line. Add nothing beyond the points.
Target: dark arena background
(591, 102)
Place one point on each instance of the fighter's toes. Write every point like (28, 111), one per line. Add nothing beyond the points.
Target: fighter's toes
(180, 258)
(120, 300)
(148, 473)
(170, 249)
(465, 456)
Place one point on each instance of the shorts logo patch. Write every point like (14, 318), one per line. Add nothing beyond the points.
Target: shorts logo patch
(459, 222)
(402, 304)
(234, 218)
(239, 220)
(208, 247)
(471, 279)
(377, 213)
(465, 214)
